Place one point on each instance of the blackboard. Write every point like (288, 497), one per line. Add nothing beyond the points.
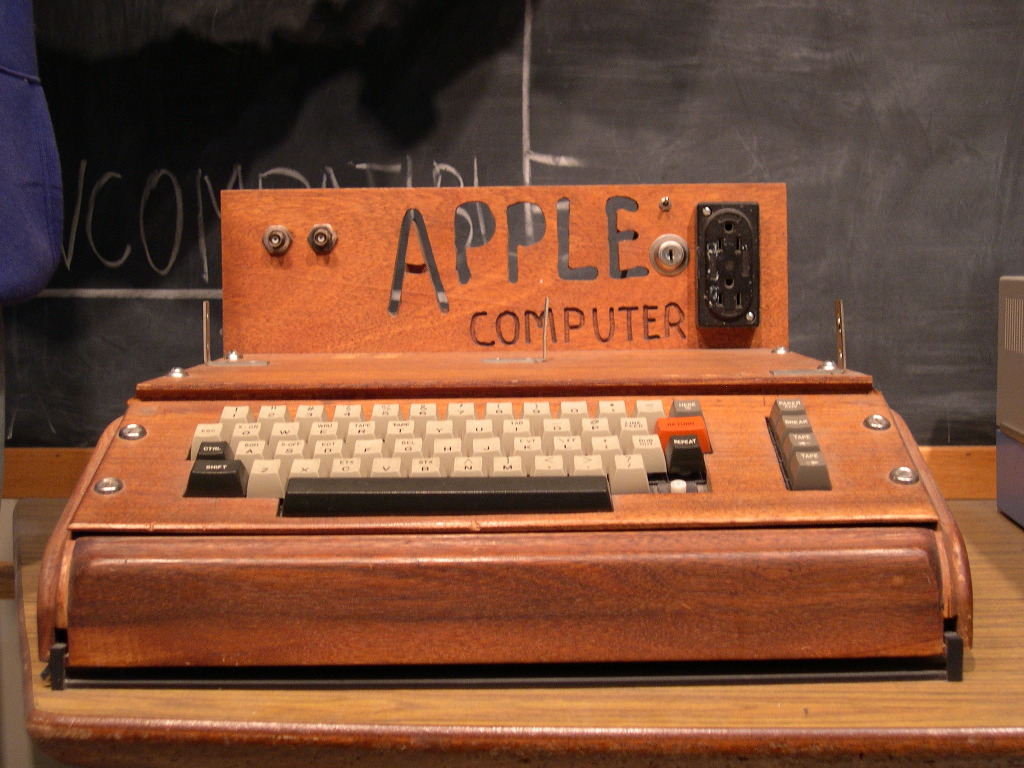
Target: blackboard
(898, 127)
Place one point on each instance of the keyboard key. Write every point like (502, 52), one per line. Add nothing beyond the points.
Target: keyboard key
(650, 411)
(214, 450)
(586, 466)
(535, 413)
(468, 466)
(321, 497)
(341, 467)
(384, 467)
(420, 414)
(549, 466)
(217, 478)
(266, 480)
(606, 448)
(382, 413)
(244, 431)
(628, 474)
(308, 415)
(205, 433)
(575, 411)
(650, 450)
(247, 451)
(684, 425)
(684, 459)
(425, 468)
(507, 466)
(683, 408)
(807, 471)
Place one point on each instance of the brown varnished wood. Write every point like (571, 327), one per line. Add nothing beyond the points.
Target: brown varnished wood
(53, 572)
(747, 488)
(302, 302)
(507, 598)
(475, 375)
(978, 722)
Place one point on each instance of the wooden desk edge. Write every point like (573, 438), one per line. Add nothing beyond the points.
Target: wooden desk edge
(961, 471)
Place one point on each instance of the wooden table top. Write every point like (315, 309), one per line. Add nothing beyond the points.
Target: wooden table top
(979, 721)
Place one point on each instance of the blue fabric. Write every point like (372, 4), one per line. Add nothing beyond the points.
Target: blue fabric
(31, 204)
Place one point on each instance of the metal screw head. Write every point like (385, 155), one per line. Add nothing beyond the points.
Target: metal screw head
(177, 373)
(904, 476)
(706, 210)
(665, 204)
(322, 238)
(277, 239)
(877, 421)
(132, 432)
(828, 365)
(108, 486)
(750, 317)
(234, 356)
(780, 351)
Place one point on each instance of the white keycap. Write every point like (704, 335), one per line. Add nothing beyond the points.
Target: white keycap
(447, 450)
(206, 433)
(425, 468)
(322, 432)
(485, 446)
(586, 465)
(280, 431)
(395, 430)
(575, 411)
(632, 425)
(346, 468)
(382, 413)
(328, 448)
(366, 450)
(244, 431)
(473, 430)
(535, 413)
(406, 449)
(420, 414)
(529, 448)
(361, 430)
(553, 428)
(288, 451)
(549, 466)
(607, 448)
(650, 411)
(434, 430)
(345, 415)
(468, 466)
(231, 415)
(266, 479)
(507, 466)
(591, 428)
(305, 468)
(628, 475)
(496, 413)
(268, 416)
(510, 430)
(648, 447)
(459, 414)
(248, 451)
(386, 468)
(308, 415)
(611, 409)
(566, 446)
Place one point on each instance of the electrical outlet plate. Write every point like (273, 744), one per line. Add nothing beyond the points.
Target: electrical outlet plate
(728, 265)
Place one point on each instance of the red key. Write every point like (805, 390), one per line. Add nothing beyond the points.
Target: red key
(668, 427)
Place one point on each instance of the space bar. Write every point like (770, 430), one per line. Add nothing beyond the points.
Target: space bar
(346, 497)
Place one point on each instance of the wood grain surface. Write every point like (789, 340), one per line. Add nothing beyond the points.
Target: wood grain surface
(371, 295)
(976, 722)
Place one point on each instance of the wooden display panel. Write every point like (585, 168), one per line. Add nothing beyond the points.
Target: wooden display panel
(589, 257)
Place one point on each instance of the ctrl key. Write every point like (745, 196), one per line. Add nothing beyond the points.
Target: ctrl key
(219, 478)
(807, 471)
